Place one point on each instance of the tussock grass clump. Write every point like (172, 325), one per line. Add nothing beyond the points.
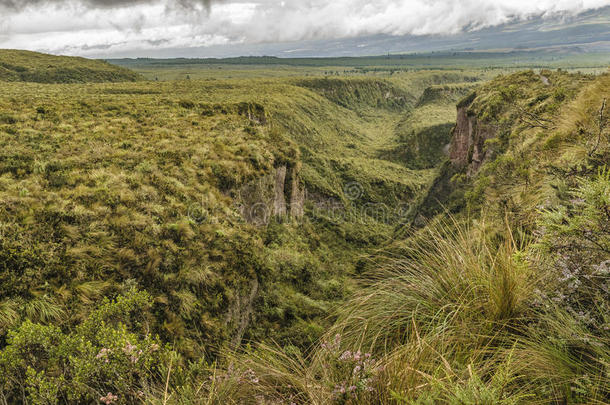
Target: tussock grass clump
(439, 317)
(431, 324)
(465, 317)
(449, 279)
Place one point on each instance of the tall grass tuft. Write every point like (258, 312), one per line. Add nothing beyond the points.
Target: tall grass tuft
(452, 282)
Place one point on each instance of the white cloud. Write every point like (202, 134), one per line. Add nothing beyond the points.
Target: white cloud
(83, 29)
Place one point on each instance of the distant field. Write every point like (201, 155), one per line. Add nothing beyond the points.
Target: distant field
(497, 62)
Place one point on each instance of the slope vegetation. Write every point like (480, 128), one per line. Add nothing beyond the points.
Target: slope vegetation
(240, 209)
(287, 240)
(504, 302)
(24, 66)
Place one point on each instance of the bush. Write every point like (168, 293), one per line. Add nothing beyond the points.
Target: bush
(110, 357)
(576, 235)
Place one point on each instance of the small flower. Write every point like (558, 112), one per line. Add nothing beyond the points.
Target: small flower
(129, 348)
(250, 375)
(346, 355)
(110, 398)
(103, 354)
(339, 390)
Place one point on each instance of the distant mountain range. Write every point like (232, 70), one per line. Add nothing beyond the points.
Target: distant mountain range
(586, 32)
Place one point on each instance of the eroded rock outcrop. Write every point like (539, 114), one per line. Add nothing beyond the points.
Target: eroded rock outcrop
(295, 192)
(277, 195)
(467, 150)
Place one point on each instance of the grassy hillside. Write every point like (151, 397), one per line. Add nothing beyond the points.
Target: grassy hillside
(165, 194)
(24, 66)
(504, 302)
(422, 135)
(284, 240)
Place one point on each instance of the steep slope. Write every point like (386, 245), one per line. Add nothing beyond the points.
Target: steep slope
(227, 201)
(24, 66)
(425, 133)
(221, 211)
(148, 228)
(506, 302)
(504, 121)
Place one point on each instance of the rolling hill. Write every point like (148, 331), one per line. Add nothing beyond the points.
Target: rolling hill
(25, 66)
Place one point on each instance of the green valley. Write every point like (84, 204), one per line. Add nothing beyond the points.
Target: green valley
(329, 233)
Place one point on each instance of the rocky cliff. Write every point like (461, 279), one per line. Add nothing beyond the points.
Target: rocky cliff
(279, 194)
(467, 150)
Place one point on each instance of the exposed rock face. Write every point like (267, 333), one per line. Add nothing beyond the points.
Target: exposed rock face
(279, 198)
(288, 188)
(467, 148)
(280, 194)
(297, 200)
(295, 192)
(461, 138)
(277, 195)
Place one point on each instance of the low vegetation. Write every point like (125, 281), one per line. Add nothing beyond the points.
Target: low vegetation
(24, 66)
(136, 264)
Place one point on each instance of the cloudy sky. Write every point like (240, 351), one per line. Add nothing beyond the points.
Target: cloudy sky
(138, 27)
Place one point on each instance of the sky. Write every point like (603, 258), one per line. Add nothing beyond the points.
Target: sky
(142, 27)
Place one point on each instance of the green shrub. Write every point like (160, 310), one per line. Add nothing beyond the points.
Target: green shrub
(576, 236)
(110, 357)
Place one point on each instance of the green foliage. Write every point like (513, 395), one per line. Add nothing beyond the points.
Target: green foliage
(142, 183)
(111, 189)
(356, 93)
(511, 309)
(576, 235)
(110, 355)
(425, 132)
(107, 189)
(23, 66)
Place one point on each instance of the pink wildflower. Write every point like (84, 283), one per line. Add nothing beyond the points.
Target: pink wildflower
(110, 398)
